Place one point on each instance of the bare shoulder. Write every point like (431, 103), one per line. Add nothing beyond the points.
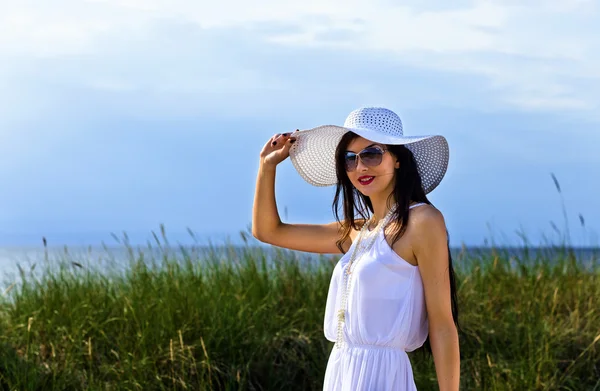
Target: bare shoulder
(429, 225)
(427, 216)
(354, 232)
(339, 226)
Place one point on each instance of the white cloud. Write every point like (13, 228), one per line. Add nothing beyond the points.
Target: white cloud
(539, 55)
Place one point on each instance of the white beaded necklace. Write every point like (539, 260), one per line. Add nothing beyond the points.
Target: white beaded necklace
(364, 242)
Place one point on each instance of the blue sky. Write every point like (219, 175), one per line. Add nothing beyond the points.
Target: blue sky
(120, 115)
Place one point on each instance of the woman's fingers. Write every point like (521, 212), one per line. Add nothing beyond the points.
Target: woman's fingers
(280, 139)
(278, 147)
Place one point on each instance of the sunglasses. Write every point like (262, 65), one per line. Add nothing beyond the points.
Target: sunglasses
(370, 157)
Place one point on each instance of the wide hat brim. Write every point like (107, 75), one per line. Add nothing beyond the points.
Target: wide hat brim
(313, 153)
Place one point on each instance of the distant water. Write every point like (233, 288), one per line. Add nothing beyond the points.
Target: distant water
(36, 258)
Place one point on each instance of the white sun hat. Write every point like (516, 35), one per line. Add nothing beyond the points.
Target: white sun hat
(313, 153)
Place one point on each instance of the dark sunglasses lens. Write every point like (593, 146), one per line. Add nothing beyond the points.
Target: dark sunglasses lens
(350, 160)
(371, 156)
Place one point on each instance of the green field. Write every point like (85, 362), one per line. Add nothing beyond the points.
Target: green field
(233, 320)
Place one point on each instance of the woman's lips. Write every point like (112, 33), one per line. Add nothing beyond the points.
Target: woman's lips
(366, 180)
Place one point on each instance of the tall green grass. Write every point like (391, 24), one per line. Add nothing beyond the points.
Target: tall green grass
(205, 322)
(165, 324)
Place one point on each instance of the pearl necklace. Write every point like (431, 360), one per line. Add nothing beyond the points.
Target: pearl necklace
(364, 242)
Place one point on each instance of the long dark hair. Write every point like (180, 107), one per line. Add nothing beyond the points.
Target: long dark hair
(408, 187)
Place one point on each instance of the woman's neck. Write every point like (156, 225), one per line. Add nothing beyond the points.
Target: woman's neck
(381, 206)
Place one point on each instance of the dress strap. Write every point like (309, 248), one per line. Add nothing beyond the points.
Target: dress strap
(419, 204)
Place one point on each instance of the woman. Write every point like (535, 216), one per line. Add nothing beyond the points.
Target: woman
(393, 290)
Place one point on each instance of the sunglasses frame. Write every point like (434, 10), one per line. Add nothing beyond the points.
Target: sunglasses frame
(358, 156)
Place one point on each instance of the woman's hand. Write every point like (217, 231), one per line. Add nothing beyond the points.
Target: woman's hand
(277, 149)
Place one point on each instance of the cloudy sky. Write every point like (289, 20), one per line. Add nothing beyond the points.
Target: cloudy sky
(120, 115)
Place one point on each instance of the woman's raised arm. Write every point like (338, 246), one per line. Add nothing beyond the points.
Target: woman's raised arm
(266, 223)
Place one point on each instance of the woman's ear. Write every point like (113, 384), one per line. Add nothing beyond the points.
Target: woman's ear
(397, 164)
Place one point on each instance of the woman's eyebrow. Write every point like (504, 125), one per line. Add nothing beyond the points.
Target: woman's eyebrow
(368, 146)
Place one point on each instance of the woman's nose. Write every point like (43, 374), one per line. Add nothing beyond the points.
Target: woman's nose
(360, 166)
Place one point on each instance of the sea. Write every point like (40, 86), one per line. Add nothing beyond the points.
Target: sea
(16, 262)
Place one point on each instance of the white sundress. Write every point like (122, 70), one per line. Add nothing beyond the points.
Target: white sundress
(386, 318)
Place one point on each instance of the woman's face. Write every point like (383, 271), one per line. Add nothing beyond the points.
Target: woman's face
(371, 180)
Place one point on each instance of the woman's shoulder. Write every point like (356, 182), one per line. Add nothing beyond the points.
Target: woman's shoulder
(427, 221)
(421, 211)
(353, 230)
(358, 224)
(426, 212)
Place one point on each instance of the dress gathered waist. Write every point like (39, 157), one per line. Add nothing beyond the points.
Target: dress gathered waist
(350, 345)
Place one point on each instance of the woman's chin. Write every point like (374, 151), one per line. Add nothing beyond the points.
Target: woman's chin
(367, 191)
